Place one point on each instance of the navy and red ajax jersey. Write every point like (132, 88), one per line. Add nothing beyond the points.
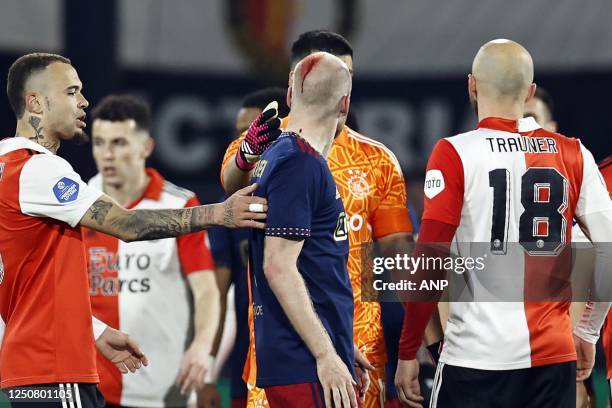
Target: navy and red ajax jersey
(303, 203)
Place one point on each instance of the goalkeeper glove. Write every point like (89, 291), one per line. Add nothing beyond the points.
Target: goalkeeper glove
(261, 133)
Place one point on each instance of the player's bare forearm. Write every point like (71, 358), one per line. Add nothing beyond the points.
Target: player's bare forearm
(576, 311)
(396, 243)
(234, 179)
(223, 274)
(106, 216)
(433, 331)
(280, 257)
(196, 361)
(206, 307)
(295, 301)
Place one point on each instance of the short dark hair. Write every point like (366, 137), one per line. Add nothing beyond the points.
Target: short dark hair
(262, 97)
(319, 40)
(120, 107)
(21, 70)
(545, 97)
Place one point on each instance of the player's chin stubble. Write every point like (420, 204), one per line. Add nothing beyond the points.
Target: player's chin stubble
(80, 138)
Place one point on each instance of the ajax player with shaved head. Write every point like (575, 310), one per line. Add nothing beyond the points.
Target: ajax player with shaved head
(302, 297)
(371, 185)
(515, 187)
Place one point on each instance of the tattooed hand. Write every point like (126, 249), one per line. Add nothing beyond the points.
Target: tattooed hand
(236, 212)
(239, 211)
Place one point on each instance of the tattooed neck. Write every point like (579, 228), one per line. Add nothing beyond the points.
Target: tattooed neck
(35, 123)
(39, 138)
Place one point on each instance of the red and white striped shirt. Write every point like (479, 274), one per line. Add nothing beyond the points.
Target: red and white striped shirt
(44, 298)
(508, 181)
(141, 289)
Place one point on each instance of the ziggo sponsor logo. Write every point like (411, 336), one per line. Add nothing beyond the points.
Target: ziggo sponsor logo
(355, 222)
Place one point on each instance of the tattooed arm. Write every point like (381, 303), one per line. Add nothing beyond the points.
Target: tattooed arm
(106, 216)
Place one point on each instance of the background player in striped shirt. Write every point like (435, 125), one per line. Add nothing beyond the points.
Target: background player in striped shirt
(520, 352)
(170, 280)
(49, 336)
(371, 184)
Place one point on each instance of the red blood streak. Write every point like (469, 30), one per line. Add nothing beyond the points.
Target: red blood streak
(307, 65)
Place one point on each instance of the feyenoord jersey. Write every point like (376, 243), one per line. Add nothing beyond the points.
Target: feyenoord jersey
(303, 203)
(43, 275)
(141, 289)
(506, 182)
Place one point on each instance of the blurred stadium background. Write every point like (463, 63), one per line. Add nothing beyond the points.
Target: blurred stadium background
(195, 59)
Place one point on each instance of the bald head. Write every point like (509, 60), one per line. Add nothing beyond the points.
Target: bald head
(321, 83)
(503, 69)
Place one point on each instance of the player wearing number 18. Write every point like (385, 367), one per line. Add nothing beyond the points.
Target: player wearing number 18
(508, 181)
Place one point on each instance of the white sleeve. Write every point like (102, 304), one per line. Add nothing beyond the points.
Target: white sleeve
(594, 196)
(98, 327)
(598, 227)
(49, 187)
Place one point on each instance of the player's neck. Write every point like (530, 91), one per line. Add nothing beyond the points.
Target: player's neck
(319, 134)
(129, 190)
(488, 109)
(31, 128)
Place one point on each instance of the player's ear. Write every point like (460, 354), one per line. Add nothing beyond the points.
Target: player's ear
(289, 95)
(290, 82)
(345, 102)
(472, 86)
(531, 92)
(149, 146)
(32, 103)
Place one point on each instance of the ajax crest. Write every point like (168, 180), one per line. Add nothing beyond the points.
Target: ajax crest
(358, 183)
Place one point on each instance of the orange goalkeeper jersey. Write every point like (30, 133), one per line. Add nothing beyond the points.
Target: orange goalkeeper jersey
(371, 184)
